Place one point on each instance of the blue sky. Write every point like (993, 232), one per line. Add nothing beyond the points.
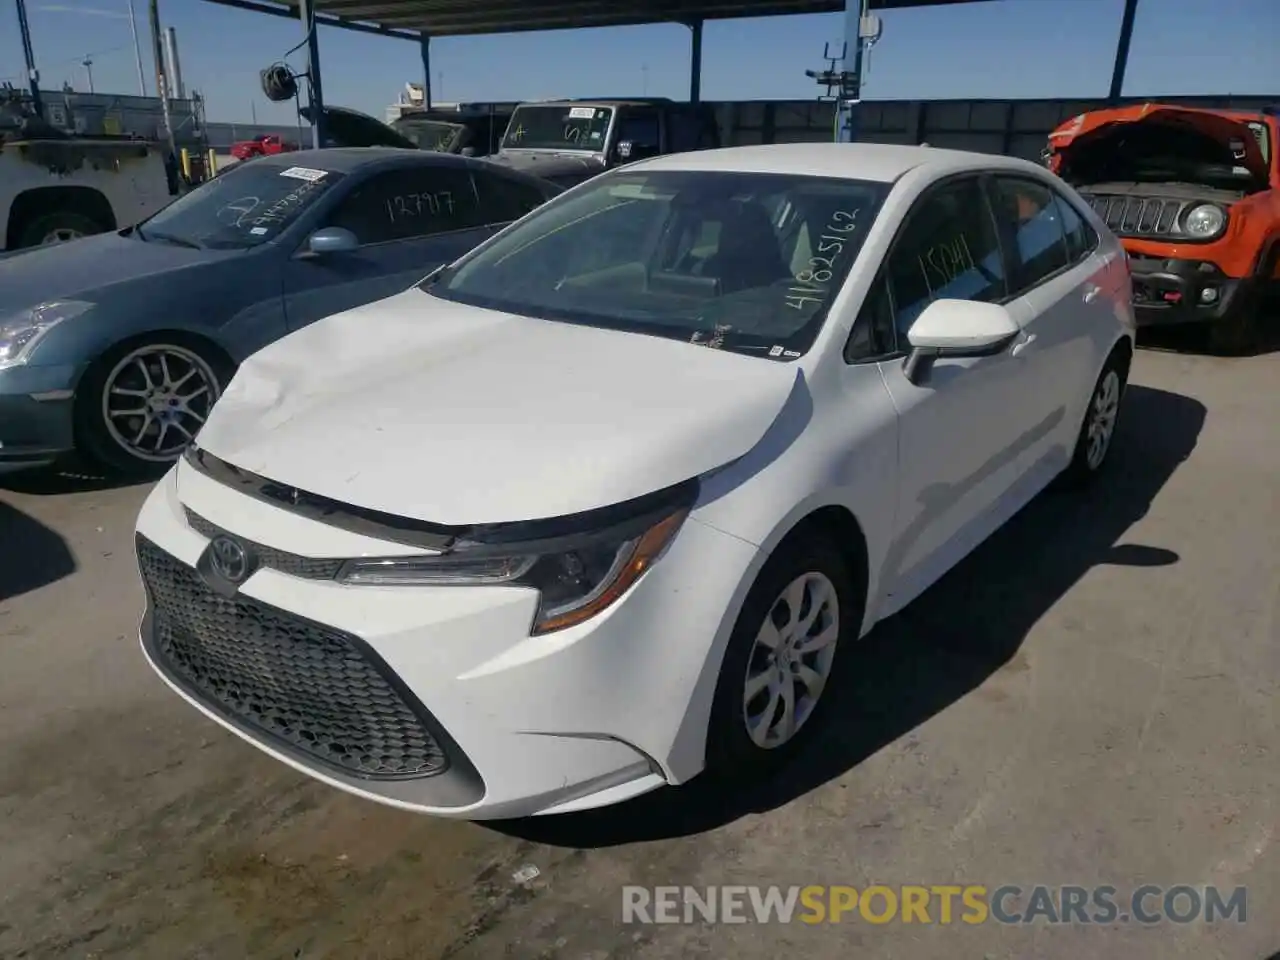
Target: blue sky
(1001, 48)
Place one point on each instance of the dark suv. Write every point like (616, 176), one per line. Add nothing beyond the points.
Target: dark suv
(569, 141)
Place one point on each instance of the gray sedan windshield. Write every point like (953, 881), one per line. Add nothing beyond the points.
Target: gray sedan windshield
(246, 206)
(746, 262)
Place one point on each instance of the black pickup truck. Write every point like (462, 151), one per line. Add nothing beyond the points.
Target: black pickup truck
(569, 141)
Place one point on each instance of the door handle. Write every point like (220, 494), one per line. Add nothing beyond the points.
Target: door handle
(1091, 292)
(1017, 348)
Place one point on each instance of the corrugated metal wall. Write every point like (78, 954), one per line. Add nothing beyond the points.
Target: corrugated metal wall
(1014, 127)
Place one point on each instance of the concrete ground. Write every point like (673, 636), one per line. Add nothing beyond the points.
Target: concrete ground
(1089, 699)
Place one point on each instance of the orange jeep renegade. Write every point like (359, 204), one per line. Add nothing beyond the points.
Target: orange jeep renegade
(1194, 195)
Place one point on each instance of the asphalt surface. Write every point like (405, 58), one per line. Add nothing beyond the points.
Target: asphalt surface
(1089, 699)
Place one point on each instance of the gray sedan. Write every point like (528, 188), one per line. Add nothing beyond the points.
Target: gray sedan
(116, 346)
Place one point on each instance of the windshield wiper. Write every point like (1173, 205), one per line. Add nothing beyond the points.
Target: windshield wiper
(167, 238)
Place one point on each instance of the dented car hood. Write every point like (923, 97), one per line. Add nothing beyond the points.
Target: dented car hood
(1090, 128)
(452, 414)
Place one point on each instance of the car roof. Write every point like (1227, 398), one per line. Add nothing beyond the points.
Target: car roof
(879, 162)
(350, 159)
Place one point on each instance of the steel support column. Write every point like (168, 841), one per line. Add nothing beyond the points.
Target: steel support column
(424, 45)
(1122, 50)
(29, 56)
(695, 62)
(849, 104)
(307, 13)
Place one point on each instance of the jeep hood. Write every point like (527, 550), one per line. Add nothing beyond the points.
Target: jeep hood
(563, 168)
(451, 414)
(1102, 130)
(345, 127)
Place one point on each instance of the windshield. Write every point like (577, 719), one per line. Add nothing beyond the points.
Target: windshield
(433, 135)
(741, 262)
(558, 128)
(248, 205)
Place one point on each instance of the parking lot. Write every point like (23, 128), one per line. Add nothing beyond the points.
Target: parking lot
(1088, 699)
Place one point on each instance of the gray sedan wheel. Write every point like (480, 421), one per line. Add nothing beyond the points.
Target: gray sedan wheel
(143, 405)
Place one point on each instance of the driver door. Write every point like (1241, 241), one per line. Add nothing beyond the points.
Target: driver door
(407, 222)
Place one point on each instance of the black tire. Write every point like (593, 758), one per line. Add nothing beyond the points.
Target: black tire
(1085, 464)
(36, 232)
(1240, 332)
(103, 442)
(732, 754)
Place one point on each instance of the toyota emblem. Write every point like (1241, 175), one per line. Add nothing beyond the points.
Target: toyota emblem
(229, 559)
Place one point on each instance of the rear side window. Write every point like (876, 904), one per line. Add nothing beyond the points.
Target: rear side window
(503, 199)
(1029, 214)
(1081, 238)
(948, 250)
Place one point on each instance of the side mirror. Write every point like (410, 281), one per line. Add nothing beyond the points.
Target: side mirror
(957, 328)
(468, 151)
(330, 240)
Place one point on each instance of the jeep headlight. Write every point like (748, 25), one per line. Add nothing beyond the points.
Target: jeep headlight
(1204, 220)
(577, 574)
(21, 332)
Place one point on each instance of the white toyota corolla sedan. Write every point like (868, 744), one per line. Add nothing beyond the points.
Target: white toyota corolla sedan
(596, 507)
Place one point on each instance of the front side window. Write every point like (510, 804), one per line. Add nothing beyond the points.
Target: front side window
(641, 128)
(407, 204)
(564, 127)
(1028, 211)
(949, 250)
(248, 205)
(743, 262)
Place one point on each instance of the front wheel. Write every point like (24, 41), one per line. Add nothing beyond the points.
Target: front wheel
(778, 667)
(142, 404)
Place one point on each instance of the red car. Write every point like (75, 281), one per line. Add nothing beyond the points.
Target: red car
(260, 146)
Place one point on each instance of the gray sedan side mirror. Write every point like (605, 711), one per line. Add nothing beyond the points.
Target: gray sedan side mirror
(330, 240)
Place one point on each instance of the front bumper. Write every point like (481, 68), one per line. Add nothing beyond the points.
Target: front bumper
(36, 415)
(1184, 291)
(436, 700)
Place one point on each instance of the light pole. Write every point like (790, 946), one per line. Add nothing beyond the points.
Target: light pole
(87, 63)
(137, 51)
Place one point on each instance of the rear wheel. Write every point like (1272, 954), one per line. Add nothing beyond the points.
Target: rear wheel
(61, 226)
(1100, 419)
(142, 403)
(778, 668)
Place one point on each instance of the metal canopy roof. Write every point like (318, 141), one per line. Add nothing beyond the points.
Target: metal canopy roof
(446, 18)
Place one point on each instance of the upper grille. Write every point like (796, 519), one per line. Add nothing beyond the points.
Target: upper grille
(308, 568)
(1138, 216)
(314, 691)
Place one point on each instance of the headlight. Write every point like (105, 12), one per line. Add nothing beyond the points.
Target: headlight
(1204, 220)
(577, 575)
(19, 334)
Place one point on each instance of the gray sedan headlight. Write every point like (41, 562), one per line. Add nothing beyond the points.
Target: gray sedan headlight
(20, 333)
(577, 576)
(1204, 220)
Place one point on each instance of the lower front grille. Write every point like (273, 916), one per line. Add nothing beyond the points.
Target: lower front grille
(1129, 216)
(317, 693)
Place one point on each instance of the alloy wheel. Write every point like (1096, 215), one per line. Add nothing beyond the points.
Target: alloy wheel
(156, 399)
(790, 661)
(1102, 418)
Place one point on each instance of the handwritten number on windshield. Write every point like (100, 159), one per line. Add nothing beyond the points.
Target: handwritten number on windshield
(811, 282)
